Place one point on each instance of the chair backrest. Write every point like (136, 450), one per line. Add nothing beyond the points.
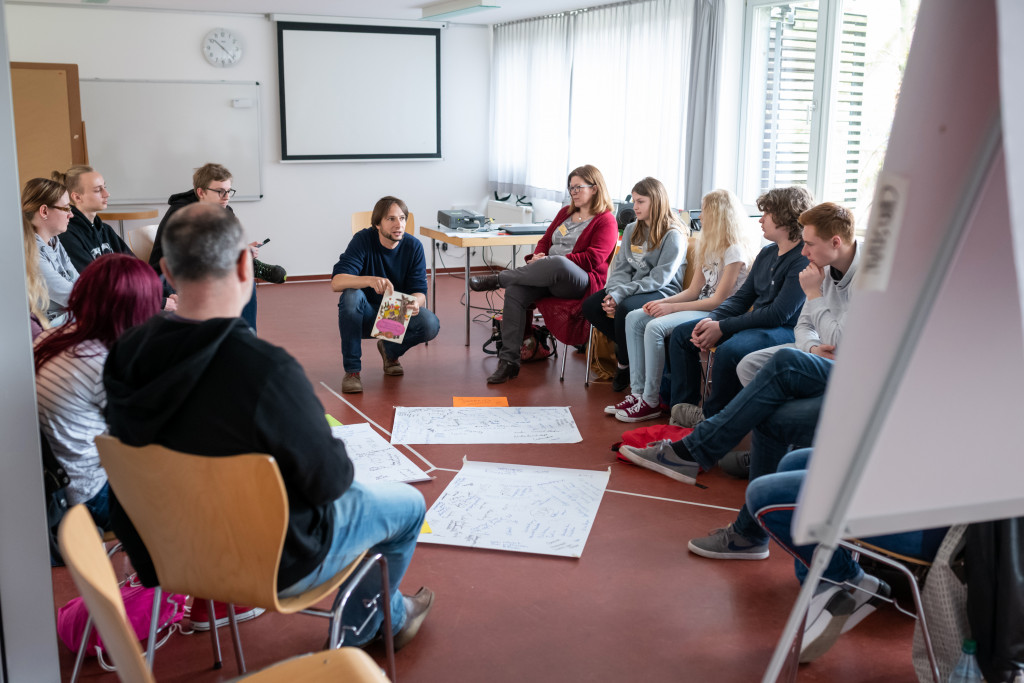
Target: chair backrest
(691, 267)
(140, 241)
(94, 577)
(213, 526)
(361, 221)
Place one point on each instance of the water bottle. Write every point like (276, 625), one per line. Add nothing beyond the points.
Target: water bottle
(967, 670)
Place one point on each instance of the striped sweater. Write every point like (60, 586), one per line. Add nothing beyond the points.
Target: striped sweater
(71, 402)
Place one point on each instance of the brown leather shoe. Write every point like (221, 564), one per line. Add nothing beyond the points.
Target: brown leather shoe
(484, 283)
(416, 609)
(391, 367)
(504, 372)
(351, 384)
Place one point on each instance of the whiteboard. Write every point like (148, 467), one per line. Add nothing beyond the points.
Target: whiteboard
(357, 93)
(944, 449)
(147, 137)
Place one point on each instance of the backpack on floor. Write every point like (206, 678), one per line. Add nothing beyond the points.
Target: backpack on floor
(138, 605)
(538, 344)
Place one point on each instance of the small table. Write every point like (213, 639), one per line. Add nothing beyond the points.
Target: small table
(122, 216)
(465, 240)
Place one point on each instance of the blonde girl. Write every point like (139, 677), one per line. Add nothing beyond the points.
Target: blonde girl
(723, 254)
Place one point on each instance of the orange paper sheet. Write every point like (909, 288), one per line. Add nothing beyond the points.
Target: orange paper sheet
(479, 401)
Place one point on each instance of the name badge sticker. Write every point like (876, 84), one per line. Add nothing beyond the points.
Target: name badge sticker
(562, 230)
(636, 249)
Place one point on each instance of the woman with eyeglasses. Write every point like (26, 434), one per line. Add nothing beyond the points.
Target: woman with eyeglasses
(569, 262)
(46, 210)
(115, 292)
(648, 266)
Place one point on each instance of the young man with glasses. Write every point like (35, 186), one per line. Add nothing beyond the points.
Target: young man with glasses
(211, 184)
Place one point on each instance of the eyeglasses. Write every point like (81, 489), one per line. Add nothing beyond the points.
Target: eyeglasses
(573, 189)
(221, 193)
(65, 209)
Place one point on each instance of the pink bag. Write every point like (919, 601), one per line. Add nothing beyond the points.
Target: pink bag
(138, 604)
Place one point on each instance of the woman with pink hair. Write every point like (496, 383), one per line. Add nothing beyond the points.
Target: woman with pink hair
(115, 292)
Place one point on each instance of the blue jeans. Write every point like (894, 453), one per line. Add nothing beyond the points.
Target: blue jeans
(99, 507)
(249, 311)
(684, 359)
(355, 321)
(615, 328)
(385, 518)
(645, 340)
(789, 374)
(774, 499)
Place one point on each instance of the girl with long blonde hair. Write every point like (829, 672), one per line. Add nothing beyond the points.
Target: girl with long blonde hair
(723, 258)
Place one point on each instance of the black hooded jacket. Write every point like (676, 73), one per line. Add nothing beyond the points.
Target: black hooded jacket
(212, 388)
(85, 242)
(175, 202)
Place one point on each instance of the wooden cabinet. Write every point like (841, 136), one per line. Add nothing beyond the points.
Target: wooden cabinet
(48, 123)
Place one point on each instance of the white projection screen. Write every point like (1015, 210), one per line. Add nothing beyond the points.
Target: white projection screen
(359, 93)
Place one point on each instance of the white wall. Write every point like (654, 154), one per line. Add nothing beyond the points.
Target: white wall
(306, 207)
(28, 645)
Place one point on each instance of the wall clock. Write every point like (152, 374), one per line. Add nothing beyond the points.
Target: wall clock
(221, 47)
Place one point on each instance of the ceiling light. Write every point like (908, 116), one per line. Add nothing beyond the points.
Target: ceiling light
(453, 8)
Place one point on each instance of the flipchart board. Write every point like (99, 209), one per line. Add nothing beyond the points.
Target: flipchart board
(920, 423)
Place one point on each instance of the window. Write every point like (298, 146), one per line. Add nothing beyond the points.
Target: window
(822, 77)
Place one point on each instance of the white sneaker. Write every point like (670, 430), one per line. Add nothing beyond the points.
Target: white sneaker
(837, 609)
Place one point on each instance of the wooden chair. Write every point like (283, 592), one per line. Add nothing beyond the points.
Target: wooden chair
(361, 221)
(215, 527)
(140, 241)
(94, 577)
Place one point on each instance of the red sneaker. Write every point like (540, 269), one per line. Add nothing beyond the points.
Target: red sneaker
(200, 615)
(638, 412)
(622, 405)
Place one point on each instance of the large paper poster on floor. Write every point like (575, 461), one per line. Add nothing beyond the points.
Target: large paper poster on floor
(517, 424)
(374, 458)
(521, 508)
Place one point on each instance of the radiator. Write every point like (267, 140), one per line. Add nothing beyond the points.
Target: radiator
(504, 212)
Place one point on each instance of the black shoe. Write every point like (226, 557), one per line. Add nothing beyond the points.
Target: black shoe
(268, 273)
(484, 283)
(505, 372)
(621, 379)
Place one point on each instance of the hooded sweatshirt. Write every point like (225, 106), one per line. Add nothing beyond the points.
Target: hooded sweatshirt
(175, 202)
(212, 388)
(86, 241)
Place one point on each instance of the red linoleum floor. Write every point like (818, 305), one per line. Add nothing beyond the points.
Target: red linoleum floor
(637, 606)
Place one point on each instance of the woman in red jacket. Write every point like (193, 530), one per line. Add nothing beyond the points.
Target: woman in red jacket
(569, 262)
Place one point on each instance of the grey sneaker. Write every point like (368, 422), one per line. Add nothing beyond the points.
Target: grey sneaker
(736, 464)
(727, 544)
(686, 415)
(659, 457)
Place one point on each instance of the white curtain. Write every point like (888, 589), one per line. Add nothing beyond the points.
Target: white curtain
(530, 79)
(612, 86)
